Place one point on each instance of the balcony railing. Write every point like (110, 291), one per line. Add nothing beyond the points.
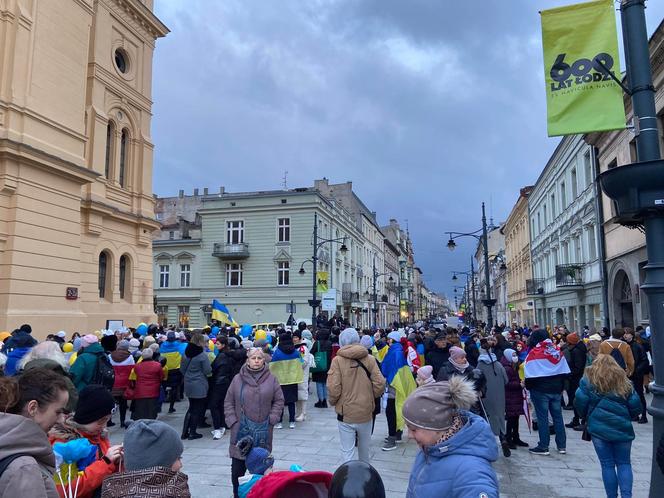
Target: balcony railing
(535, 286)
(231, 251)
(569, 275)
(350, 297)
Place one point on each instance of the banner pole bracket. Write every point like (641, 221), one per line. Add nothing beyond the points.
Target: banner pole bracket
(613, 76)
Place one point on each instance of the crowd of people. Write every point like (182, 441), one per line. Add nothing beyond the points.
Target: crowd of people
(458, 393)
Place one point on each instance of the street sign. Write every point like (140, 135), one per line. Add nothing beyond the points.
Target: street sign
(330, 300)
(291, 308)
(510, 306)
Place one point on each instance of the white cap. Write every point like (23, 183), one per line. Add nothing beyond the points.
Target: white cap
(62, 334)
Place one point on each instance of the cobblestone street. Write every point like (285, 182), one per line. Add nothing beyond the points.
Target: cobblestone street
(314, 445)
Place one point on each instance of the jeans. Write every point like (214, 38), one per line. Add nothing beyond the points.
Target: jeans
(544, 404)
(321, 390)
(615, 456)
(347, 434)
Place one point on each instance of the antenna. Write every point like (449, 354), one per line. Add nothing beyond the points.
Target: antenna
(285, 180)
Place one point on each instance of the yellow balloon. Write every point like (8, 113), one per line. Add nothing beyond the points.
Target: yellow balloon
(72, 359)
(68, 347)
(211, 345)
(260, 334)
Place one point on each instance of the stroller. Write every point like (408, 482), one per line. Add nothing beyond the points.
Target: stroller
(289, 484)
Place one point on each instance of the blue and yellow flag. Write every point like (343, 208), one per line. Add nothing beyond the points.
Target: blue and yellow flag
(221, 314)
(379, 354)
(398, 376)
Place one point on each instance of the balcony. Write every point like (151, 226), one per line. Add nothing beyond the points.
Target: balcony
(569, 275)
(535, 286)
(231, 251)
(349, 297)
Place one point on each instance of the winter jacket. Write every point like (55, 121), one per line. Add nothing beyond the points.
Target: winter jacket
(153, 482)
(513, 389)
(641, 363)
(123, 363)
(84, 368)
(349, 389)
(609, 416)
(31, 475)
(149, 375)
(227, 364)
(448, 370)
(196, 369)
(494, 399)
(553, 384)
(263, 400)
(16, 347)
(626, 352)
(57, 368)
(578, 356)
(459, 467)
(438, 358)
(95, 473)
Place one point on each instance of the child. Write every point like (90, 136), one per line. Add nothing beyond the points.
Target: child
(425, 376)
(259, 463)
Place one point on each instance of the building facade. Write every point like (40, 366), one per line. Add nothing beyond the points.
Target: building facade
(566, 284)
(76, 204)
(517, 255)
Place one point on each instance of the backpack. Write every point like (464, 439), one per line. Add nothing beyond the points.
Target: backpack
(104, 374)
(617, 355)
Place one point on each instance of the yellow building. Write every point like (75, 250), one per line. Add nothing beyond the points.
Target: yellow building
(76, 204)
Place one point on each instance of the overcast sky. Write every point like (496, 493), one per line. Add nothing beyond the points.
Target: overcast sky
(428, 106)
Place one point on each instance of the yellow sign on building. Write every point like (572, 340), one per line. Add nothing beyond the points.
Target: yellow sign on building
(321, 281)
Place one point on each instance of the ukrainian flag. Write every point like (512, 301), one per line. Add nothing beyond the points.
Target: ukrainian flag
(287, 367)
(221, 314)
(379, 354)
(397, 374)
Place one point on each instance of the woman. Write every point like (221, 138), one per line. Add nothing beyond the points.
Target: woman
(223, 371)
(456, 365)
(287, 366)
(493, 402)
(322, 351)
(456, 446)
(254, 401)
(196, 369)
(145, 379)
(607, 401)
(302, 387)
(94, 409)
(513, 398)
(123, 364)
(31, 404)
(472, 350)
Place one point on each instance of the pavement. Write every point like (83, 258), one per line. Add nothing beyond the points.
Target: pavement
(314, 445)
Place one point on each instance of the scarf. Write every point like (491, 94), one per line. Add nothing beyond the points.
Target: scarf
(459, 366)
(457, 425)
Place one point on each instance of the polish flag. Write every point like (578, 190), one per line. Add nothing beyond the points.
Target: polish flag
(545, 360)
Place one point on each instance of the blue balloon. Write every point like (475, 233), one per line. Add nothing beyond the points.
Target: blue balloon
(73, 451)
(214, 331)
(142, 329)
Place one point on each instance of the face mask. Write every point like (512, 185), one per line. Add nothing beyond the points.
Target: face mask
(515, 359)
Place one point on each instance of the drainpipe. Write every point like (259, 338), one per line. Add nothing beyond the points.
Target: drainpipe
(599, 208)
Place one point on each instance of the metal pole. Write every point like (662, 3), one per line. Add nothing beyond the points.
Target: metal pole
(485, 238)
(472, 276)
(639, 77)
(314, 279)
(375, 294)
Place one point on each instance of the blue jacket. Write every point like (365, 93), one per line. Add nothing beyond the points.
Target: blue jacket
(14, 355)
(459, 467)
(609, 415)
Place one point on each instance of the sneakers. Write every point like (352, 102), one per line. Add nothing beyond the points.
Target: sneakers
(398, 437)
(390, 444)
(279, 426)
(539, 451)
(562, 451)
(301, 417)
(218, 433)
(291, 425)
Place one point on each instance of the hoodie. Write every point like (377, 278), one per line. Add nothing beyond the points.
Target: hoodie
(443, 469)
(30, 475)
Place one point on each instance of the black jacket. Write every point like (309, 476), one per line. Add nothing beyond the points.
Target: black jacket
(641, 364)
(578, 354)
(438, 358)
(227, 364)
(553, 384)
(448, 370)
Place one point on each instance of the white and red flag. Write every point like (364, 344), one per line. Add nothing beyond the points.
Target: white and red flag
(545, 360)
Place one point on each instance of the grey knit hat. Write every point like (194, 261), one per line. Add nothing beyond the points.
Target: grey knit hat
(151, 443)
(349, 336)
(433, 406)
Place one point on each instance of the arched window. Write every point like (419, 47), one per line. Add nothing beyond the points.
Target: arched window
(123, 275)
(124, 142)
(110, 146)
(103, 265)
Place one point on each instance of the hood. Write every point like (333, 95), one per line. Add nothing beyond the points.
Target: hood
(192, 350)
(170, 347)
(353, 352)
(92, 349)
(153, 482)
(474, 439)
(121, 356)
(19, 434)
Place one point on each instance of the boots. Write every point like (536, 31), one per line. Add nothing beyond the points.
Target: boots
(185, 426)
(302, 410)
(573, 423)
(505, 445)
(193, 424)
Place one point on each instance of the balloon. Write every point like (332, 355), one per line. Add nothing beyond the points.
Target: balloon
(260, 334)
(214, 331)
(142, 328)
(73, 451)
(211, 345)
(356, 479)
(67, 347)
(245, 331)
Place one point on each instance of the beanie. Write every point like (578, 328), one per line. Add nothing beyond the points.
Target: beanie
(395, 336)
(433, 406)
(147, 354)
(94, 402)
(170, 336)
(573, 338)
(147, 340)
(123, 344)
(134, 345)
(259, 460)
(457, 354)
(88, 339)
(151, 443)
(425, 372)
(366, 341)
(26, 328)
(348, 337)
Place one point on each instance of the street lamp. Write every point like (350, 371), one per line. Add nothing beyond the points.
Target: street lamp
(451, 245)
(375, 275)
(313, 302)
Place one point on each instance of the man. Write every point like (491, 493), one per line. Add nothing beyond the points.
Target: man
(577, 353)
(619, 350)
(439, 356)
(641, 368)
(354, 381)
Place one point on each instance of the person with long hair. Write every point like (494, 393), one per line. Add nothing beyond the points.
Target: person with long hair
(607, 401)
(196, 369)
(30, 405)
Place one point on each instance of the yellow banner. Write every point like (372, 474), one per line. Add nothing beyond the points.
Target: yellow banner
(321, 281)
(580, 44)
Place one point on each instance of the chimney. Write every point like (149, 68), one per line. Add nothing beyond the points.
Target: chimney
(205, 191)
(195, 192)
(181, 194)
(373, 213)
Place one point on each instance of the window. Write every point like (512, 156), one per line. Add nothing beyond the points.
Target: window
(564, 253)
(121, 60)
(123, 156)
(592, 243)
(234, 274)
(185, 275)
(283, 273)
(164, 272)
(183, 316)
(563, 196)
(110, 145)
(234, 232)
(283, 230)
(123, 275)
(162, 315)
(539, 223)
(545, 217)
(103, 264)
(171, 235)
(578, 250)
(575, 190)
(553, 207)
(588, 168)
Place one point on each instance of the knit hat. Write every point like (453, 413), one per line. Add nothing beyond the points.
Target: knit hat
(94, 402)
(573, 338)
(170, 336)
(259, 460)
(147, 340)
(348, 337)
(366, 341)
(151, 443)
(123, 344)
(147, 354)
(134, 344)
(62, 334)
(285, 339)
(433, 406)
(88, 339)
(441, 336)
(457, 354)
(247, 344)
(395, 336)
(425, 372)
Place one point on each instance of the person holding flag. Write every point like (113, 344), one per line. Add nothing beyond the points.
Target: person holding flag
(222, 315)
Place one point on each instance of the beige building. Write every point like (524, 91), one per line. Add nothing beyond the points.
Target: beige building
(76, 204)
(517, 254)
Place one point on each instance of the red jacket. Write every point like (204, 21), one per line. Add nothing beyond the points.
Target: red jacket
(149, 375)
(123, 364)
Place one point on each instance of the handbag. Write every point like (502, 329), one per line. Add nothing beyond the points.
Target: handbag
(320, 360)
(259, 431)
